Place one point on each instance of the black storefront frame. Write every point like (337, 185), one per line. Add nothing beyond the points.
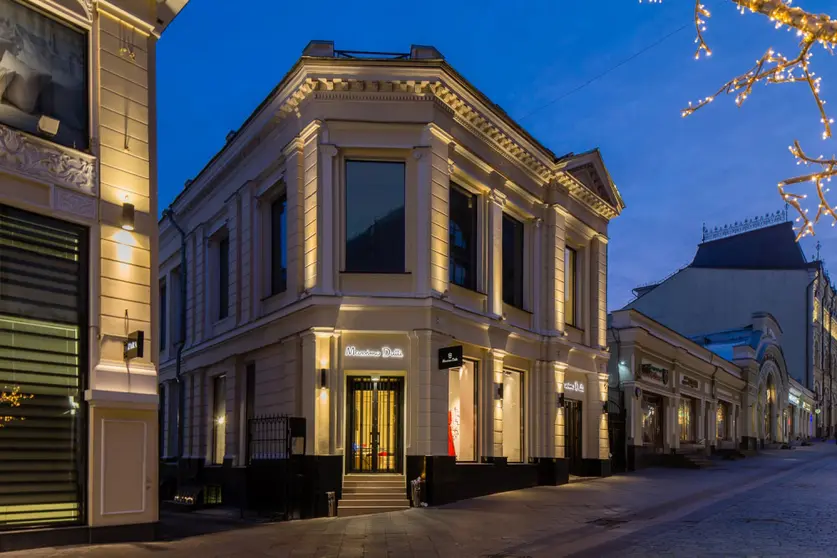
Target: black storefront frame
(574, 424)
(356, 383)
(83, 323)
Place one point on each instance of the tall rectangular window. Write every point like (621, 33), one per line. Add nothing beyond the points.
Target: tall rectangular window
(219, 418)
(463, 238)
(721, 421)
(570, 270)
(164, 315)
(513, 416)
(512, 261)
(684, 419)
(375, 224)
(223, 278)
(278, 246)
(462, 411)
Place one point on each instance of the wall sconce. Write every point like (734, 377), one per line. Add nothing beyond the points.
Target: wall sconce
(560, 400)
(323, 378)
(604, 407)
(48, 126)
(498, 391)
(637, 392)
(128, 216)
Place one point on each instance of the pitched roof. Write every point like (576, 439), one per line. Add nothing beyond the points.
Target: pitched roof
(772, 247)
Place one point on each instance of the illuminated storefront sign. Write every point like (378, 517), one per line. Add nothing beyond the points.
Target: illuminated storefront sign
(383, 352)
(794, 400)
(574, 386)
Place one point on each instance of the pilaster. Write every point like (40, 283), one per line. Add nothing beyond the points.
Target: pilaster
(326, 213)
(537, 281)
(558, 425)
(554, 269)
(598, 286)
(496, 203)
(295, 191)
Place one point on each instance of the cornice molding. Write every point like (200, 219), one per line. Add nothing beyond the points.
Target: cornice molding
(581, 193)
(47, 162)
(491, 129)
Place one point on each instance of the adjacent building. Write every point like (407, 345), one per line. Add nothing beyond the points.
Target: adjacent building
(78, 237)
(374, 210)
(749, 267)
(715, 393)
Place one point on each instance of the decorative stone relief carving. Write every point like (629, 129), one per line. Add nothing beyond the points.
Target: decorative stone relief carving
(72, 202)
(45, 162)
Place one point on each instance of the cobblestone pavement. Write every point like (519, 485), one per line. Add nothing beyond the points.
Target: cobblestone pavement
(753, 505)
(794, 516)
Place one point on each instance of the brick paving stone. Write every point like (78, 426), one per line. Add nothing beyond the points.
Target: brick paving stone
(551, 521)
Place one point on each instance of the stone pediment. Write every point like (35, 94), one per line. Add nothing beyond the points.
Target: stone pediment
(590, 181)
(46, 162)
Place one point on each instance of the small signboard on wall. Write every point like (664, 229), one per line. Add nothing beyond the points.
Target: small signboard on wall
(450, 357)
(134, 345)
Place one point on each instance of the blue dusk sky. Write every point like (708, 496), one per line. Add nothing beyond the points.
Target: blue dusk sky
(537, 61)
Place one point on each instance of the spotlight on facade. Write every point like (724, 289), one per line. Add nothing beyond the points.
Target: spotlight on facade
(48, 126)
(128, 216)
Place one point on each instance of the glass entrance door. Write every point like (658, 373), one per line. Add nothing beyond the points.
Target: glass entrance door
(375, 424)
(572, 435)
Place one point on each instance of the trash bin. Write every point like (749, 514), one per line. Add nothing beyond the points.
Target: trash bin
(332, 504)
(417, 493)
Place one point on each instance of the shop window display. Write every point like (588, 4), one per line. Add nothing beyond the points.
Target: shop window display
(462, 412)
(684, 419)
(652, 432)
(513, 416)
(721, 422)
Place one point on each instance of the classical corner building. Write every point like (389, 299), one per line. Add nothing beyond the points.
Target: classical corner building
(757, 266)
(374, 210)
(78, 237)
(684, 398)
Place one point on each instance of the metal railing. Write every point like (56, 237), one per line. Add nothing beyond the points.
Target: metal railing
(268, 437)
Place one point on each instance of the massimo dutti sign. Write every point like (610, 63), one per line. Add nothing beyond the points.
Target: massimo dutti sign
(450, 357)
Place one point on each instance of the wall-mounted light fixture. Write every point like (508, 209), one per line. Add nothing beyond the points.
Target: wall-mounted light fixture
(48, 126)
(498, 391)
(323, 378)
(128, 216)
(604, 407)
(560, 400)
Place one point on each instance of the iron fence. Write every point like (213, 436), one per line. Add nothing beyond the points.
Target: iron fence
(273, 437)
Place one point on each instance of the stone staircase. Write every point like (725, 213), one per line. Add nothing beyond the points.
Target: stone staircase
(696, 461)
(687, 459)
(378, 493)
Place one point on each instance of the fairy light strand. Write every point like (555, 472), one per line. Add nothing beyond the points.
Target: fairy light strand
(774, 67)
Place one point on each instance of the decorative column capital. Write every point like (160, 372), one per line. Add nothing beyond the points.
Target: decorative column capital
(497, 197)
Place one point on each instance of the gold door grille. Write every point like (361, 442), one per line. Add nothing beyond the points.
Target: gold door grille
(375, 419)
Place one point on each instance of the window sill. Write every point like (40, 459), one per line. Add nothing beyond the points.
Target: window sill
(513, 308)
(274, 296)
(574, 328)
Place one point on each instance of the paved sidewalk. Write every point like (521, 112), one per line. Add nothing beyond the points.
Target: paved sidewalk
(543, 521)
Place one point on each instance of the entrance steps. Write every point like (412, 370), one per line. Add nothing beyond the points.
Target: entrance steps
(376, 493)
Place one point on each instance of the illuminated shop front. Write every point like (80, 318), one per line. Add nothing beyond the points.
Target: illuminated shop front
(78, 358)
(680, 399)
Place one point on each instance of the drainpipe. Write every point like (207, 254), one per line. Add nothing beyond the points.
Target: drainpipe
(181, 393)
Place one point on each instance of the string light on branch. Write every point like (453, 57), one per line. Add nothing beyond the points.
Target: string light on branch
(774, 67)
